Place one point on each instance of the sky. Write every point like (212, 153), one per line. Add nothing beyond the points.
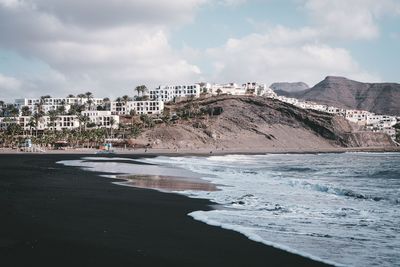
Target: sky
(109, 47)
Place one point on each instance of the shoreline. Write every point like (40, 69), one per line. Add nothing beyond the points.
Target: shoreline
(49, 209)
(203, 152)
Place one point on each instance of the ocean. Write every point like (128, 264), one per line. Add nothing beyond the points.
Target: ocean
(342, 209)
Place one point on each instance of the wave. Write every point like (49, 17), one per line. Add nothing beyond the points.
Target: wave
(249, 233)
(341, 191)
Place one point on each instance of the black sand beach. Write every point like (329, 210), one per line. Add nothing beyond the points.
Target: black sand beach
(53, 215)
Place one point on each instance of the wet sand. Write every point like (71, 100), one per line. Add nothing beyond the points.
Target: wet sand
(166, 183)
(52, 215)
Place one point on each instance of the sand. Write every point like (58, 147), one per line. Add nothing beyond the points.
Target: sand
(52, 215)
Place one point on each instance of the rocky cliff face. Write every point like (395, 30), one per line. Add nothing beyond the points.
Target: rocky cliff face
(255, 123)
(380, 98)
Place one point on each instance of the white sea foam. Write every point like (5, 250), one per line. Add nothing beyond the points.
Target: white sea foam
(342, 209)
(337, 208)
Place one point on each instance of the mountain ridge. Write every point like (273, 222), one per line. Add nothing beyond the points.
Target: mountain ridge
(379, 98)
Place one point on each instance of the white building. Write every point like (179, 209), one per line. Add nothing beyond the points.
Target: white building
(149, 107)
(174, 92)
(381, 120)
(336, 111)
(357, 116)
(102, 118)
(253, 88)
(48, 104)
(225, 89)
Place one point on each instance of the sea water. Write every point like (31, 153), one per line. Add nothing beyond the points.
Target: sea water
(342, 209)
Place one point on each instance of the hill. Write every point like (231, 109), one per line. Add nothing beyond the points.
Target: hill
(283, 88)
(380, 98)
(255, 124)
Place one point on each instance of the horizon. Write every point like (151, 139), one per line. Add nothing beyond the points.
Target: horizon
(64, 47)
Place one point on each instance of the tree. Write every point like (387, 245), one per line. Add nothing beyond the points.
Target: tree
(112, 123)
(2, 105)
(11, 111)
(25, 111)
(31, 124)
(61, 110)
(106, 103)
(76, 109)
(135, 131)
(89, 99)
(125, 99)
(37, 117)
(53, 115)
(219, 91)
(82, 119)
(70, 96)
(141, 89)
(147, 121)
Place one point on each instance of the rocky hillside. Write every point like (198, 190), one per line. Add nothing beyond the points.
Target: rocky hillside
(285, 88)
(380, 98)
(254, 123)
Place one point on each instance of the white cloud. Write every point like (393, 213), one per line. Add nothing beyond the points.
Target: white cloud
(233, 3)
(91, 51)
(350, 19)
(9, 83)
(283, 54)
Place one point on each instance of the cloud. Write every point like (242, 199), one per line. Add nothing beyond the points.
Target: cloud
(9, 83)
(233, 3)
(103, 13)
(99, 45)
(283, 54)
(350, 19)
(109, 47)
(8, 86)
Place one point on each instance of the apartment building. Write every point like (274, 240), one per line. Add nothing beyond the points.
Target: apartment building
(169, 93)
(150, 107)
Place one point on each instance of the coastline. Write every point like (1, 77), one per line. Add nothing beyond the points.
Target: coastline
(204, 152)
(58, 215)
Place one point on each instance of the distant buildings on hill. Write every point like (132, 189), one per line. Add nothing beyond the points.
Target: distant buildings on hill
(70, 112)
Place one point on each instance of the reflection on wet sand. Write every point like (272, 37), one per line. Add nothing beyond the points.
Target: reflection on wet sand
(167, 183)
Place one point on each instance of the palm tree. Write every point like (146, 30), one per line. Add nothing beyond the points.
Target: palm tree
(89, 99)
(106, 103)
(11, 110)
(25, 111)
(53, 115)
(147, 121)
(2, 104)
(121, 128)
(31, 124)
(138, 89)
(125, 99)
(61, 110)
(39, 106)
(82, 119)
(141, 89)
(37, 117)
(81, 97)
(112, 123)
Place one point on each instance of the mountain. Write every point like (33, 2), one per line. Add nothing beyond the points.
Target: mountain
(254, 124)
(380, 98)
(282, 88)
